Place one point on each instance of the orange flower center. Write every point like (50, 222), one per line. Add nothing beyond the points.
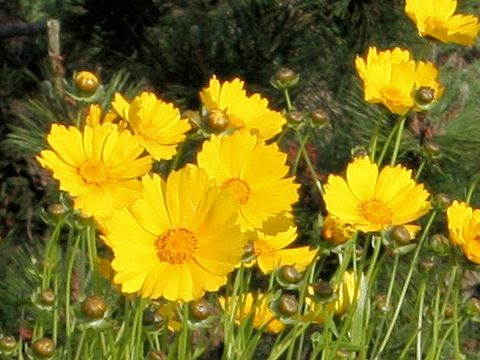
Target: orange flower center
(94, 172)
(176, 246)
(262, 248)
(376, 212)
(391, 94)
(239, 189)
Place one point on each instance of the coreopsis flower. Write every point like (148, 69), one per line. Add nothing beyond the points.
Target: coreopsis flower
(256, 306)
(437, 18)
(179, 240)
(347, 293)
(270, 246)
(229, 101)
(390, 78)
(254, 172)
(156, 122)
(373, 201)
(336, 231)
(464, 229)
(99, 167)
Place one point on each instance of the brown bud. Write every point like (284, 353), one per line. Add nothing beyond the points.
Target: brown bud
(285, 76)
(473, 306)
(44, 347)
(449, 311)
(295, 117)
(87, 81)
(217, 120)
(8, 343)
(322, 289)
(439, 243)
(94, 306)
(290, 274)
(319, 116)
(424, 95)
(426, 265)
(401, 235)
(443, 200)
(200, 309)
(152, 317)
(288, 305)
(431, 148)
(57, 210)
(47, 297)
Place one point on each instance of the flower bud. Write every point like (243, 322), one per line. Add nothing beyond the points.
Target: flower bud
(442, 200)
(322, 289)
(473, 306)
(290, 274)
(431, 148)
(424, 95)
(47, 297)
(449, 311)
(341, 354)
(381, 303)
(319, 116)
(358, 152)
(401, 235)
(157, 355)
(87, 81)
(217, 120)
(152, 318)
(94, 306)
(200, 309)
(286, 78)
(43, 347)
(439, 243)
(288, 305)
(57, 210)
(295, 117)
(8, 344)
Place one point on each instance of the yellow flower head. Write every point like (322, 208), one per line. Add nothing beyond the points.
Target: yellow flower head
(243, 112)
(464, 228)
(179, 240)
(437, 18)
(255, 173)
(391, 77)
(99, 167)
(158, 123)
(94, 116)
(347, 293)
(373, 201)
(270, 246)
(256, 306)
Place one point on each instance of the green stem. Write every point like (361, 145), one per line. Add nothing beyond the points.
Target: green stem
(456, 332)
(78, 352)
(287, 99)
(183, 352)
(420, 169)
(387, 143)
(406, 285)
(421, 300)
(435, 326)
(93, 256)
(313, 173)
(472, 188)
(374, 139)
(377, 242)
(398, 140)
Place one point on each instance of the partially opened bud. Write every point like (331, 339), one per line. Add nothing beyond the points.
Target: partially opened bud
(217, 120)
(8, 344)
(94, 306)
(87, 81)
(200, 309)
(288, 305)
(44, 347)
(47, 297)
(401, 235)
(286, 78)
(424, 95)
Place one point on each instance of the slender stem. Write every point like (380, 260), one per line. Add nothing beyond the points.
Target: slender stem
(387, 143)
(78, 352)
(287, 99)
(456, 332)
(377, 241)
(398, 140)
(313, 173)
(421, 300)
(420, 168)
(472, 188)
(183, 341)
(374, 139)
(93, 257)
(406, 285)
(435, 326)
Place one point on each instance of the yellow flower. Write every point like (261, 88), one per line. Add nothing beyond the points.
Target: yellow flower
(269, 246)
(347, 293)
(243, 112)
(255, 306)
(158, 123)
(390, 78)
(254, 172)
(99, 167)
(373, 201)
(179, 240)
(464, 228)
(437, 18)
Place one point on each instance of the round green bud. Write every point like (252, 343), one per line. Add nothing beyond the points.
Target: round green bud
(401, 235)
(57, 210)
(157, 355)
(43, 347)
(431, 148)
(286, 76)
(47, 297)
(443, 200)
(439, 243)
(473, 306)
(322, 289)
(151, 317)
(288, 305)
(94, 306)
(200, 309)
(426, 265)
(319, 116)
(8, 343)
(290, 274)
(295, 117)
(424, 95)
